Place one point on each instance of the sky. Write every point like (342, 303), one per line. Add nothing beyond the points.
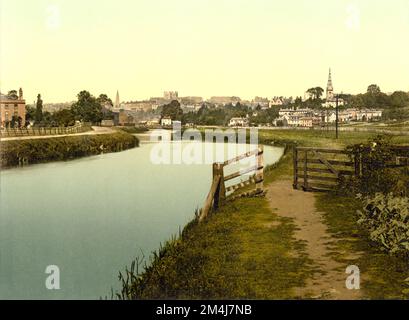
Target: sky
(201, 47)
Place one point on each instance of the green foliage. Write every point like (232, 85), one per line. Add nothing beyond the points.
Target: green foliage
(16, 152)
(133, 130)
(218, 116)
(12, 94)
(39, 109)
(316, 92)
(385, 274)
(387, 219)
(377, 173)
(265, 116)
(399, 99)
(172, 110)
(64, 117)
(30, 113)
(87, 108)
(373, 89)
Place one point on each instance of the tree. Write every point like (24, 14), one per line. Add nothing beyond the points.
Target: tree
(107, 105)
(172, 110)
(30, 114)
(316, 92)
(105, 101)
(12, 94)
(39, 109)
(399, 99)
(64, 117)
(16, 121)
(87, 108)
(319, 92)
(298, 101)
(373, 89)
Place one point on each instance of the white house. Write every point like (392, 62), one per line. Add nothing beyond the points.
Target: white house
(166, 122)
(238, 122)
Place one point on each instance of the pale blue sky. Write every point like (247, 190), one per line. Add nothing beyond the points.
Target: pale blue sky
(201, 47)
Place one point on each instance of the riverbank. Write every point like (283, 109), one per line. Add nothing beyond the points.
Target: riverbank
(258, 248)
(31, 151)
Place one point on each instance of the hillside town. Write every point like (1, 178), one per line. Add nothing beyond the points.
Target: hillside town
(309, 111)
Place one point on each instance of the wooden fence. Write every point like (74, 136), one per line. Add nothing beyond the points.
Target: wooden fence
(42, 131)
(319, 169)
(218, 191)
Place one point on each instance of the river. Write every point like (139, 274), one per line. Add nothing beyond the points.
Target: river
(91, 217)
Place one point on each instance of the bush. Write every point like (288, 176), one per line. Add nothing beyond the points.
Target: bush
(387, 219)
(377, 171)
(18, 152)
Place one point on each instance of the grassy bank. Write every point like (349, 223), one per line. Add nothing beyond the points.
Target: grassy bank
(132, 130)
(19, 152)
(239, 253)
(246, 251)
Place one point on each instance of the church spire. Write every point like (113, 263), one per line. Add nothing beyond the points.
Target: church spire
(117, 100)
(330, 88)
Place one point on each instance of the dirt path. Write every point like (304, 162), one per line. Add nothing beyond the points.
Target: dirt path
(329, 283)
(96, 130)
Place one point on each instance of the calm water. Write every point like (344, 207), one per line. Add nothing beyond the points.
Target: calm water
(91, 217)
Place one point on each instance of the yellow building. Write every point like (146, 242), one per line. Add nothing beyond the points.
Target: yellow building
(12, 105)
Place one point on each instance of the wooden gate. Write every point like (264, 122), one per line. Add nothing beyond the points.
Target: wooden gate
(218, 192)
(318, 169)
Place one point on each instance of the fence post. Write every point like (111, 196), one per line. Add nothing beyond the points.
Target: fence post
(295, 162)
(260, 170)
(222, 187)
(216, 200)
(305, 170)
(356, 165)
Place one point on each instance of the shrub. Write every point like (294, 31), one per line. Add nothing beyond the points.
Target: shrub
(376, 161)
(18, 152)
(387, 219)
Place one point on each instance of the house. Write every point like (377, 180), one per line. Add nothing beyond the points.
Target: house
(238, 122)
(153, 122)
(276, 101)
(12, 108)
(368, 115)
(166, 122)
(306, 122)
(107, 123)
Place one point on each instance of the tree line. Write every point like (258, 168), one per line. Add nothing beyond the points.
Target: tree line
(87, 108)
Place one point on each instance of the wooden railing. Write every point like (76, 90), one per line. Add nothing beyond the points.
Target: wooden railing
(319, 169)
(218, 191)
(41, 131)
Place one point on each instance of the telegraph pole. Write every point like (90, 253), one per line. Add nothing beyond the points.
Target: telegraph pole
(336, 116)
